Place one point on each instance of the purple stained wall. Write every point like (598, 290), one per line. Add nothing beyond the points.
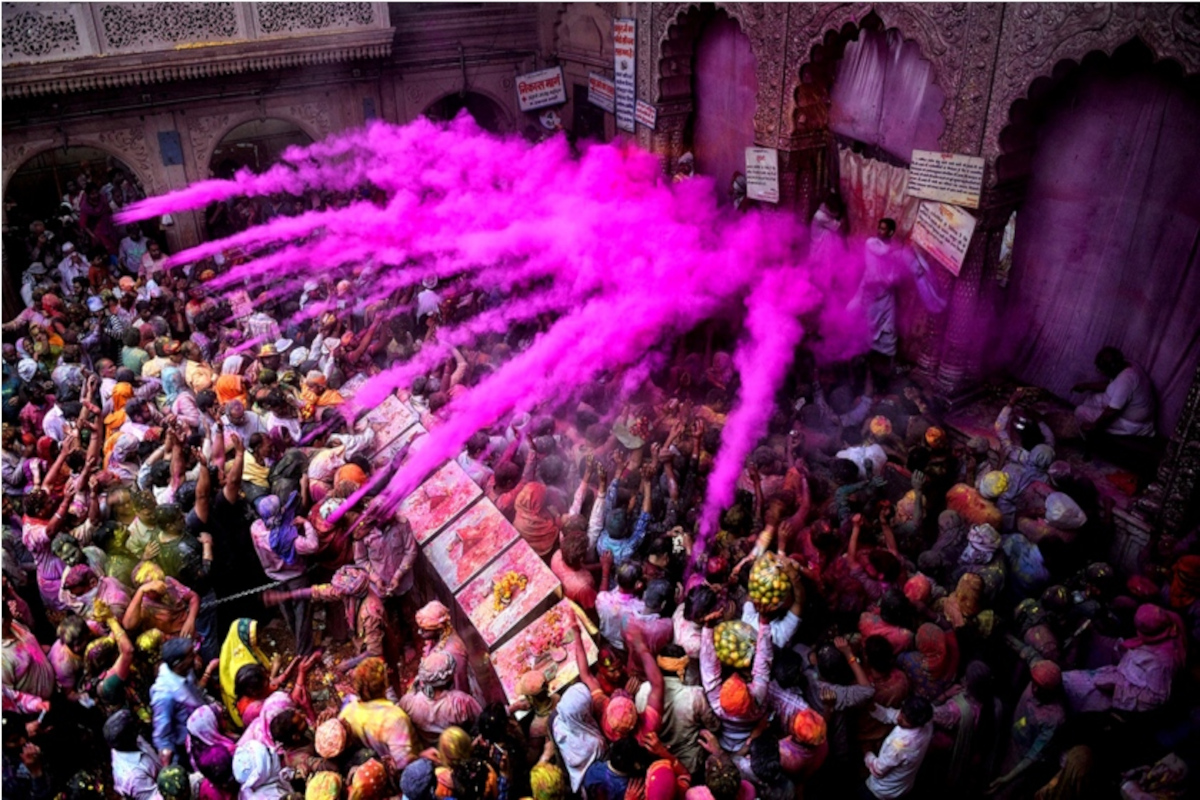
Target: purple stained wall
(725, 87)
(1106, 249)
(883, 94)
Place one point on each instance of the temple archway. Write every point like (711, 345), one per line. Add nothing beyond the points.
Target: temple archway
(486, 112)
(255, 144)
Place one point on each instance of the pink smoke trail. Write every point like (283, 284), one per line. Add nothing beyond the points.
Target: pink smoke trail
(625, 262)
(773, 330)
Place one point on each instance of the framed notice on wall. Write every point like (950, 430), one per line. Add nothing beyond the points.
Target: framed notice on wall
(541, 89)
(624, 73)
(944, 232)
(762, 174)
(947, 177)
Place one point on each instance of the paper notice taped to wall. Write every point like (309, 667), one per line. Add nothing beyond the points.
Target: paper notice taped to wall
(947, 177)
(762, 174)
(944, 232)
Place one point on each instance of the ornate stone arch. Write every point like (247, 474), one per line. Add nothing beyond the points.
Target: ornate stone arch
(573, 18)
(819, 35)
(127, 145)
(1044, 43)
(675, 30)
(206, 132)
(1015, 140)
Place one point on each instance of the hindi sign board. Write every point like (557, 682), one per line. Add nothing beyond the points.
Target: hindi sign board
(543, 88)
(625, 73)
(646, 114)
(944, 232)
(946, 177)
(602, 92)
(762, 174)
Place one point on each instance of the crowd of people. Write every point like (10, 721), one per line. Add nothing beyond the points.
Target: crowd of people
(888, 610)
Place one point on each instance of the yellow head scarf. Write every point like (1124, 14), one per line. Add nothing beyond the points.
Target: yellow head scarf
(240, 649)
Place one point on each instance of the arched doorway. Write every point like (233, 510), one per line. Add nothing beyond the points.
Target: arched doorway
(40, 186)
(875, 95)
(1109, 220)
(483, 109)
(725, 90)
(48, 188)
(256, 145)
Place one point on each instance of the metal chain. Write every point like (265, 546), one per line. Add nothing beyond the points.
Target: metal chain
(240, 595)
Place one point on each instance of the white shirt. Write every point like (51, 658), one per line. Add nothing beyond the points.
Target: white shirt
(894, 770)
(1132, 394)
(862, 454)
(782, 629)
(428, 302)
(53, 424)
(70, 268)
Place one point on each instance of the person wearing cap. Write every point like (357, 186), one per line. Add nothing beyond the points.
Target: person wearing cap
(175, 695)
(72, 266)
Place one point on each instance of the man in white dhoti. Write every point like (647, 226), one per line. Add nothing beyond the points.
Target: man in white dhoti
(887, 264)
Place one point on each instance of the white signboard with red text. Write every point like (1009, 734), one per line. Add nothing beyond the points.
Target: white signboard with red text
(624, 68)
(944, 231)
(602, 92)
(647, 114)
(543, 88)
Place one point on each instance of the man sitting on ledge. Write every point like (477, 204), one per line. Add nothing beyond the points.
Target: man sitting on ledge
(1122, 404)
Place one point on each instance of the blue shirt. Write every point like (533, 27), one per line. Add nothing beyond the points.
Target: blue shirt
(602, 783)
(173, 698)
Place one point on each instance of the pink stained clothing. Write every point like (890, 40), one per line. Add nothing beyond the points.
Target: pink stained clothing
(431, 717)
(260, 729)
(387, 554)
(273, 565)
(382, 726)
(110, 590)
(871, 624)
(1141, 681)
(658, 630)
(745, 792)
(169, 612)
(67, 666)
(578, 585)
(453, 644)
(615, 608)
(28, 675)
(686, 633)
(49, 566)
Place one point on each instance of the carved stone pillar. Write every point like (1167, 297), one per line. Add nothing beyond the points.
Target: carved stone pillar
(1173, 500)
(962, 328)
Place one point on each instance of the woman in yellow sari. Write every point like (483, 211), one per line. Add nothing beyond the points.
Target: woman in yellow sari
(121, 394)
(239, 650)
